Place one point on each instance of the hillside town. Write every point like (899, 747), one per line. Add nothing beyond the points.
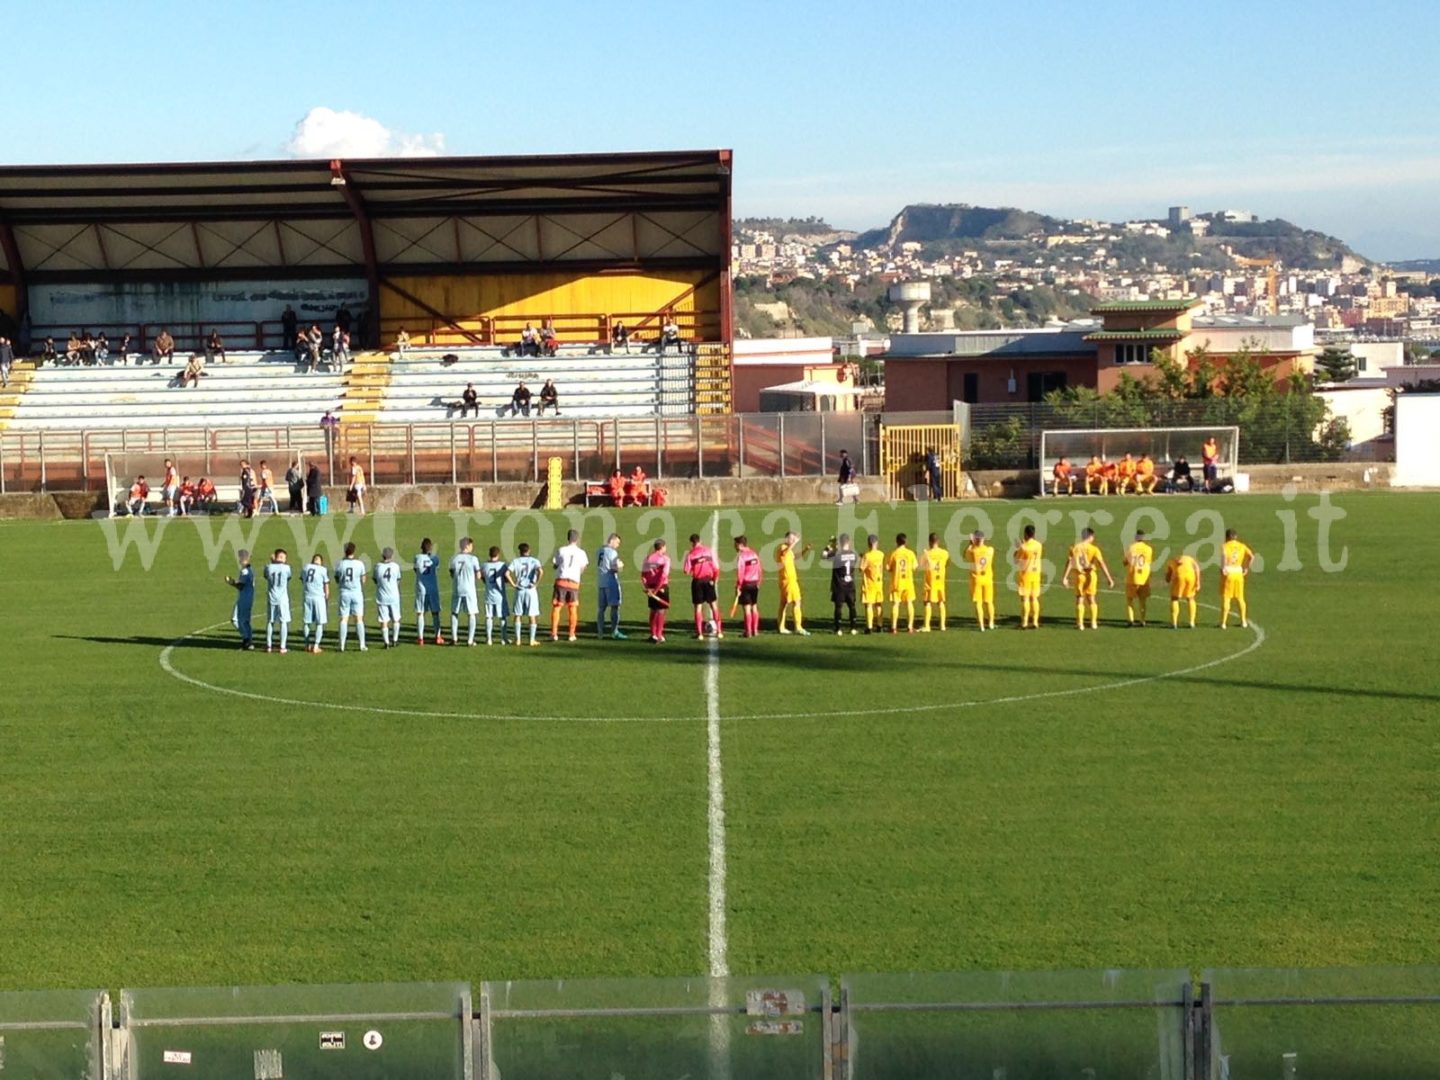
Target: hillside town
(1346, 298)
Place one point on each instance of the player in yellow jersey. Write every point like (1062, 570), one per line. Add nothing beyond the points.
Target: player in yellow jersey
(1029, 565)
(981, 557)
(1235, 560)
(1085, 562)
(872, 585)
(901, 564)
(790, 583)
(935, 561)
(1139, 560)
(1183, 574)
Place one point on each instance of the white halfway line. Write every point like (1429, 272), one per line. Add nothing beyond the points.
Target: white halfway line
(715, 814)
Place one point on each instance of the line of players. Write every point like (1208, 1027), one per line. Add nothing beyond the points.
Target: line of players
(511, 588)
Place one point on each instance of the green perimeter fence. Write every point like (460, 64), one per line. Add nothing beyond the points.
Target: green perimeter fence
(1233, 1024)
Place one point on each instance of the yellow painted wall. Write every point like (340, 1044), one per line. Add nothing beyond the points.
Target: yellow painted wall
(7, 300)
(559, 294)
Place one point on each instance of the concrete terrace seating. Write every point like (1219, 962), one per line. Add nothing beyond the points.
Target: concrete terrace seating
(592, 382)
(254, 389)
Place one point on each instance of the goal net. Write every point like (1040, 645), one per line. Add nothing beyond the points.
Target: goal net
(220, 467)
(1163, 444)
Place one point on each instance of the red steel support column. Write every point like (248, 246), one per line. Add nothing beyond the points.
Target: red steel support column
(17, 271)
(356, 202)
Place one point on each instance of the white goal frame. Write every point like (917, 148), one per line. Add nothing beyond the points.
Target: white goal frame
(1163, 444)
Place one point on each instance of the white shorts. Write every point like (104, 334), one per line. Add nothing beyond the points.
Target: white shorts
(527, 602)
(465, 602)
(277, 613)
(351, 604)
(495, 609)
(315, 612)
(388, 612)
(426, 599)
(169, 492)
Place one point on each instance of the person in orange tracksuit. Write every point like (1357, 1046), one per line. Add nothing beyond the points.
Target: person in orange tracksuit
(1124, 474)
(1109, 474)
(1063, 476)
(635, 487)
(1094, 478)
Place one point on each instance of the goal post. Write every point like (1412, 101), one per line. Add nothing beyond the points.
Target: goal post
(220, 467)
(1163, 444)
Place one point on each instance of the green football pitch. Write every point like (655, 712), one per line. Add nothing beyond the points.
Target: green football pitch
(175, 812)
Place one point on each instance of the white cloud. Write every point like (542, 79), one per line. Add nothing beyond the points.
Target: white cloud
(338, 133)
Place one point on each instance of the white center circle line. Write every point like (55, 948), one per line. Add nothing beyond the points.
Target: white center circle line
(167, 665)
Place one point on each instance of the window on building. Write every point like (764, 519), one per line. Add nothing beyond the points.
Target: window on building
(1359, 364)
(1132, 352)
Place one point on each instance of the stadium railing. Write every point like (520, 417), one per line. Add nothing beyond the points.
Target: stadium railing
(470, 452)
(1291, 1024)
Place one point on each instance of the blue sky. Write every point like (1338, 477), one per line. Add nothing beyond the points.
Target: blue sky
(1321, 112)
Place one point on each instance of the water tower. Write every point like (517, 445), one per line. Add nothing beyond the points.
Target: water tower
(911, 296)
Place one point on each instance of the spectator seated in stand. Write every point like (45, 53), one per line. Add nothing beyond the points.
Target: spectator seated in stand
(670, 335)
(164, 347)
(205, 495)
(549, 398)
(102, 349)
(469, 401)
(73, 352)
(620, 335)
(87, 348)
(194, 368)
(616, 487)
(47, 354)
(402, 344)
(125, 350)
(139, 492)
(215, 347)
(529, 341)
(549, 343)
(520, 399)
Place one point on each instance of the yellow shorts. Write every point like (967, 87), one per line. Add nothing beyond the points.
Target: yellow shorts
(1030, 584)
(1183, 589)
(935, 594)
(1232, 586)
(902, 594)
(789, 591)
(982, 591)
(1137, 592)
(1087, 584)
(872, 592)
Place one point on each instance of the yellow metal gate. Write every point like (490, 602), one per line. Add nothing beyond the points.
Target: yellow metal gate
(903, 449)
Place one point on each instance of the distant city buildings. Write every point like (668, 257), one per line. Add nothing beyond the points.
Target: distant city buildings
(1097, 259)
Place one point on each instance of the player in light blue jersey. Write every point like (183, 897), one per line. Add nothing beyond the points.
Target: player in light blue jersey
(244, 585)
(427, 592)
(350, 576)
(316, 581)
(608, 565)
(523, 575)
(277, 600)
(496, 610)
(464, 569)
(387, 597)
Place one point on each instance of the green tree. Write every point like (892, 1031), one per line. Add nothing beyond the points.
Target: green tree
(1336, 364)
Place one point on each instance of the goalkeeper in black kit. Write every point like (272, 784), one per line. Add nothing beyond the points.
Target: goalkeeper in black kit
(844, 561)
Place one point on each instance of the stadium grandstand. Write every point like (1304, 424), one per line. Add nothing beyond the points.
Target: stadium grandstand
(466, 259)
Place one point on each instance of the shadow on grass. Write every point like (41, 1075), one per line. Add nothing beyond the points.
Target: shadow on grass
(153, 642)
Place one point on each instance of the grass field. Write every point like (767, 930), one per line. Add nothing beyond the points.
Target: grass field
(943, 802)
